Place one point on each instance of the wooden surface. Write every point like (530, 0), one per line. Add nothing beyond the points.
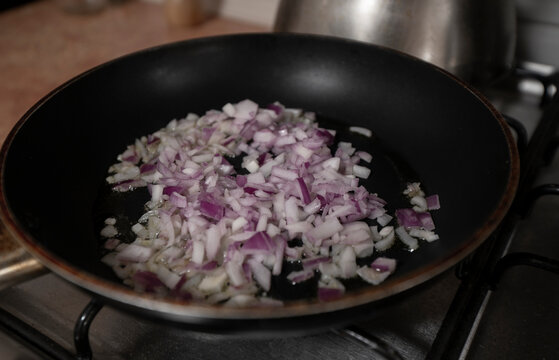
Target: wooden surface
(42, 46)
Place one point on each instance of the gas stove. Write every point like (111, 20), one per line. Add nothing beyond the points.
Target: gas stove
(486, 307)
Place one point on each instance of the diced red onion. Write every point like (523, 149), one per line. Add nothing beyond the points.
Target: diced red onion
(148, 280)
(347, 262)
(324, 230)
(213, 242)
(419, 202)
(312, 263)
(111, 243)
(259, 242)
(261, 274)
(382, 264)
(177, 200)
(426, 221)
(361, 130)
(406, 238)
(365, 156)
(134, 253)
(211, 210)
(408, 218)
(211, 234)
(305, 196)
(361, 171)
(299, 276)
(372, 276)
(433, 202)
(426, 235)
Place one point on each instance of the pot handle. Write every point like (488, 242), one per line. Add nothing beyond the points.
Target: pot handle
(16, 265)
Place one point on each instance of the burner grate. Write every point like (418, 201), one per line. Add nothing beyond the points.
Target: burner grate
(486, 266)
(32, 338)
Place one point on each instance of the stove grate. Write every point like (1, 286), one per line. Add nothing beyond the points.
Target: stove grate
(484, 268)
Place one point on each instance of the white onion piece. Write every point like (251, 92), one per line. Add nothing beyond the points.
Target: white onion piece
(261, 274)
(109, 231)
(325, 230)
(383, 264)
(385, 243)
(198, 252)
(299, 276)
(384, 219)
(134, 253)
(406, 238)
(364, 249)
(361, 130)
(213, 284)
(365, 156)
(371, 275)
(347, 263)
(419, 202)
(238, 224)
(424, 234)
(361, 171)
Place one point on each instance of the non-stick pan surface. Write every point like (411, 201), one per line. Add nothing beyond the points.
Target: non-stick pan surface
(427, 127)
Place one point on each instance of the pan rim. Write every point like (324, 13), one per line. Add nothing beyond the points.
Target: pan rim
(179, 310)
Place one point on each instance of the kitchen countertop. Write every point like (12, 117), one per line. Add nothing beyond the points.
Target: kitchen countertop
(42, 46)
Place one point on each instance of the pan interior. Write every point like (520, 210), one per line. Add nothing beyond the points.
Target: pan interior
(427, 127)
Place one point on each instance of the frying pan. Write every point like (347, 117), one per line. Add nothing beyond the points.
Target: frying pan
(427, 126)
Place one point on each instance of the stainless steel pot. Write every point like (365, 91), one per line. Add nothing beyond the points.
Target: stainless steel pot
(473, 39)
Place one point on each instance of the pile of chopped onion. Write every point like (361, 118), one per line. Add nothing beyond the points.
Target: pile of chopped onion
(218, 235)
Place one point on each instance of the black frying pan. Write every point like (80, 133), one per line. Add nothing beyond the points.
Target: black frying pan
(428, 127)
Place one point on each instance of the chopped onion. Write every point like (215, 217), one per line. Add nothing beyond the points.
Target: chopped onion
(382, 264)
(424, 234)
(365, 156)
(324, 230)
(299, 276)
(211, 234)
(361, 130)
(330, 289)
(406, 238)
(419, 202)
(372, 276)
(433, 202)
(361, 171)
(134, 253)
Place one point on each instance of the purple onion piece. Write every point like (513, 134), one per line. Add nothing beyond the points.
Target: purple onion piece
(305, 196)
(426, 221)
(250, 190)
(328, 294)
(326, 135)
(408, 218)
(433, 202)
(278, 109)
(311, 263)
(168, 190)
(241, 180)
(147, 168)
(259, 241)
(211, 210)
(148, 280)
(152, 139)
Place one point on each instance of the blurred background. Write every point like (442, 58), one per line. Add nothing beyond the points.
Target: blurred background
(46, 42)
